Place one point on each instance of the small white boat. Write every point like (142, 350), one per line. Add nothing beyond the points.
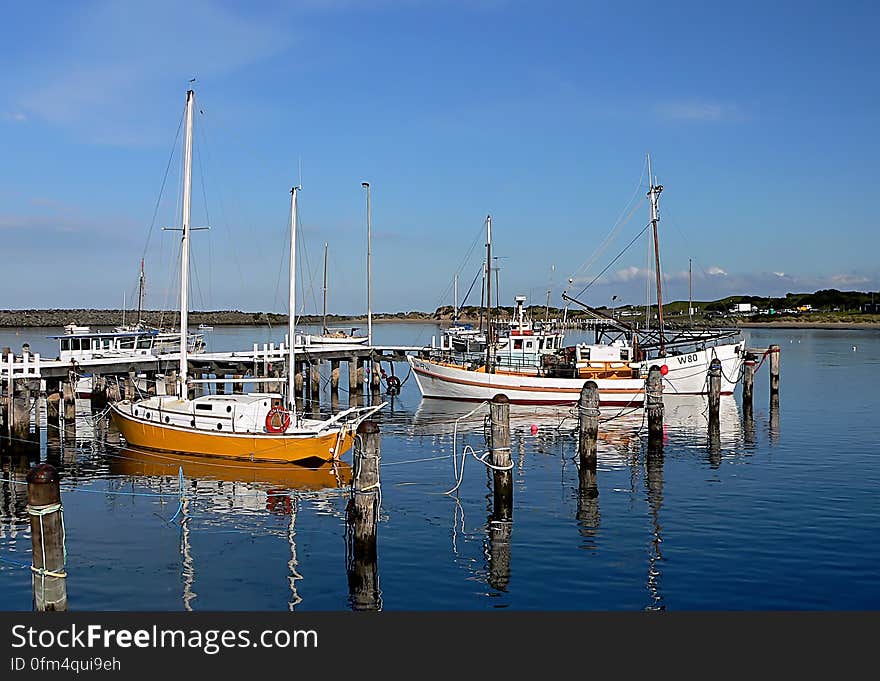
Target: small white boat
(337, 336)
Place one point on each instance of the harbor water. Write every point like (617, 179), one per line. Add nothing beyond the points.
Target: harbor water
(779, 513)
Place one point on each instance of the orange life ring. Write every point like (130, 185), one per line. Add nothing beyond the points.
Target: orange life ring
(280, 426)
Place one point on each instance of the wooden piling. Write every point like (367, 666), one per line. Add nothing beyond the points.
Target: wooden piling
(49, 578)
(748, 381)
(131, 386)
(360, 376)
(588, 423)
(362, 515)
(334, 377)
(315, 375)
(68, 393)
(774, 369)
(499, 414)
(298, 380)
(352, 375)
(654, 403)
(376, 378)
(714, 390)
(363, 507)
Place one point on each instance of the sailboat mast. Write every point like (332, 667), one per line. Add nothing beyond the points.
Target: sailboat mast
(455, 298)
(654, 194)
(141, 293)
(690, 291)
(291, 306)
(489, 334)
(184, 247)
(366, 185)
(324, 328)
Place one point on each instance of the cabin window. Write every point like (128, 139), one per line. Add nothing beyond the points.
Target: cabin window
(65, 344)
(145, 343)
(624, 355)
(530, 345)
(126, 343)
(204, 407)
(219, 426)
(107, 344)
(517, 344)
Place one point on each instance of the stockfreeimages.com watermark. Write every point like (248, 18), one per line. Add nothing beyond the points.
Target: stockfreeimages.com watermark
(209, 641)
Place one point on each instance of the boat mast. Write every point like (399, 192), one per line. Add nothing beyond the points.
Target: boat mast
(184, 246)
(141, 293)
(291, 306)
(489, 335)
(325, 289)
(690, 291)
(455, 299)
(366, 185)
(654, 194)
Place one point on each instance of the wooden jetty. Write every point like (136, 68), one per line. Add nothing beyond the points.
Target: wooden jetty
(28, 374)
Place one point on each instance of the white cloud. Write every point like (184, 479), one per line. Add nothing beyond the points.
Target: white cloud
(698, 110)
(16, 117)
(716, 271)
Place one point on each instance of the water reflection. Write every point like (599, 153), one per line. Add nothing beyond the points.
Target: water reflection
(654, 487)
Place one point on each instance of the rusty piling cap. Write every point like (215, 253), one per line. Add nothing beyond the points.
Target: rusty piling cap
(501, 398)
(592, 385)
(42, 474)
(368, 427)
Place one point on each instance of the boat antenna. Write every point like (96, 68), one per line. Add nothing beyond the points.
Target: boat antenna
(654, 196)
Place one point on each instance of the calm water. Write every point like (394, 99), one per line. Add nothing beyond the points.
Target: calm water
(780, 514)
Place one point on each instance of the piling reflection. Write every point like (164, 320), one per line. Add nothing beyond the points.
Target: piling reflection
(654, 487)
(774, 418)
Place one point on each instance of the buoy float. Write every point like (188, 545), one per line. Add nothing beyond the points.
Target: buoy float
(664, 370)
(534, 429)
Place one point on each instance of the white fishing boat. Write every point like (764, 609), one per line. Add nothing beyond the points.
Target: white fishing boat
(260, 426)
(618, 363)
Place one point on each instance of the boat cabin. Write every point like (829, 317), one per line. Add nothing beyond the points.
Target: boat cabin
(80, 343)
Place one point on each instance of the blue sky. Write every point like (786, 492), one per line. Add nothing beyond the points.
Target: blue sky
(760, 117)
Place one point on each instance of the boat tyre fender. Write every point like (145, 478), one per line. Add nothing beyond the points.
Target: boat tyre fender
(393, 385)
(277, 420)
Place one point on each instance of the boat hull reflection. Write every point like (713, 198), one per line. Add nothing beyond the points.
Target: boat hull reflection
(138, 462)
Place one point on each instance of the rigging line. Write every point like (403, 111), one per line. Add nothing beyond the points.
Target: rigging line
(207, 219)
(312, 273)
(617, 224)
(616, 258)
(253, 241)
(670, 218)
(164, 180)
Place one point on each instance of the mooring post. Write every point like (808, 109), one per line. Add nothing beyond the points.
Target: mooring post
(49, 578)
(588, 432)
(362, 515)
(748, 381)
(714, 390)
(654, 403)
(499, 411)
(774, 369)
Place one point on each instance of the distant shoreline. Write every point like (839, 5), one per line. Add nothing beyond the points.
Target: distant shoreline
(20, 319)
(811, 325)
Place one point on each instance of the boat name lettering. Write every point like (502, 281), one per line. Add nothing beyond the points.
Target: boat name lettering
(687, 359)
